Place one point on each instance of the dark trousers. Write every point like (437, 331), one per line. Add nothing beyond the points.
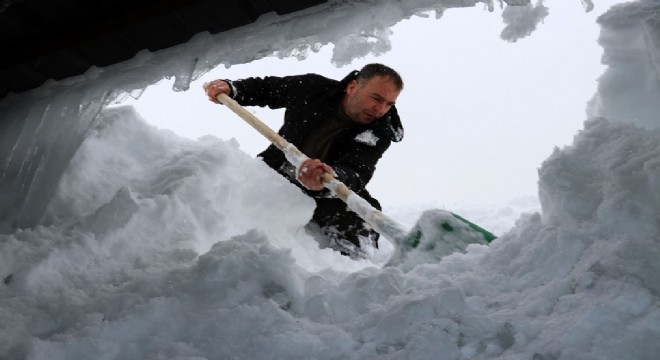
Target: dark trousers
(346, 230)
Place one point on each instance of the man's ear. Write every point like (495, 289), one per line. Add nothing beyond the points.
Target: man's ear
(352, 85)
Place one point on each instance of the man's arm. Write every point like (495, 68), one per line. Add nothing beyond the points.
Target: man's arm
(272, 91)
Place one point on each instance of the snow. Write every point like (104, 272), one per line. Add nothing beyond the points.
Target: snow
(367, 137)
(124, 241)
(522, 20)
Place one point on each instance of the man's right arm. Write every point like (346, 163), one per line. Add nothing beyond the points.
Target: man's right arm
(272, 91)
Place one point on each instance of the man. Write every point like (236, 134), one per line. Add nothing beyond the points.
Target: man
(344, 127)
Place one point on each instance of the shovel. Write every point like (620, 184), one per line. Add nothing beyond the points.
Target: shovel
(439, 223)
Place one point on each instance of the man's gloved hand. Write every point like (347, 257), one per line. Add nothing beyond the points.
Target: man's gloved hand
(310, 172)
(216, 87)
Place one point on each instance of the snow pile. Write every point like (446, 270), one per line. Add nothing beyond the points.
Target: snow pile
(630, 88)
(150, 246)
(125, 270)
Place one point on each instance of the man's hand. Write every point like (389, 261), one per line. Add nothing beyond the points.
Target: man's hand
(310, 172)
(215, 88)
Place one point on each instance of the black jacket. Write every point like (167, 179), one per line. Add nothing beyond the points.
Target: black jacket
(308, 99)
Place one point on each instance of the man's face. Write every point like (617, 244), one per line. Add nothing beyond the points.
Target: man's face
(369, 101)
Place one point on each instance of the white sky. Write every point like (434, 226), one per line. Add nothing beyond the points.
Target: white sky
(532, 96)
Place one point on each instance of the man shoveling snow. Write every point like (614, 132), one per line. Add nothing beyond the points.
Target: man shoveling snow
(343, 126)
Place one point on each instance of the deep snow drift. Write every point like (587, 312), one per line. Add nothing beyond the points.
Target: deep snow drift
(156, 247)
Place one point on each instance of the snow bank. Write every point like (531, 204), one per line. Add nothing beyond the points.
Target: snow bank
(161, 247)
(630, 87)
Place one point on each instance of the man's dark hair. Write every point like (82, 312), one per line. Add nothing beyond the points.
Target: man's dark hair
(371, 70)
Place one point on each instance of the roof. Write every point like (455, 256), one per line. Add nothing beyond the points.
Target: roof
(56, 39)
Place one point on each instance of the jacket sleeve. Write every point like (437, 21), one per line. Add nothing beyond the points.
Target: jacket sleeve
(272, 91)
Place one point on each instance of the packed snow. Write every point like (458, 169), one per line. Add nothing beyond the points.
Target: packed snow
(124, 241)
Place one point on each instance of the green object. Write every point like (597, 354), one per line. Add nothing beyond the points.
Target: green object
(488, 236)
(413, 238)
(436, 234)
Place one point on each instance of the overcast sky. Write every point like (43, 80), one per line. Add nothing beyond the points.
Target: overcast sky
(480, 113)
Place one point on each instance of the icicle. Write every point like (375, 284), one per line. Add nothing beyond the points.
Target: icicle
(184, 75)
